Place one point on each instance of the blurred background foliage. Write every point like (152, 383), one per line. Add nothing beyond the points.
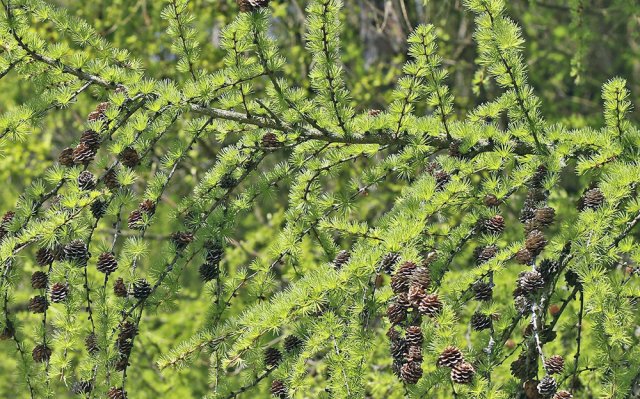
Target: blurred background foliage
(572, 47)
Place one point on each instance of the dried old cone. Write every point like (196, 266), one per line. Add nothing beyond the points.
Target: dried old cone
(491, 200)
(430, 305)
(86, 180)
(592, 199)
(44, 257)
(544, 216)
(483, 254)
(77, 251)
(538, 176)
(91, 139)
(181, 239)
(272, 357)
(81, 387)
(5, 223)
(462, 373)
(41, 353)
(98, 208)
(495, 225)
(547, 386)
(529, 282)
(135, 220)
(398, 349)
(147, 206)
(59, 292)
(129, 157)
(415, 295)
(523, 256)
(128, 330)
(480, 321)
(278, 389)
(414, 354)
(209, 271)
(38, 304)
(83, 154)
(442, 178)
(107, 263)
(66, 157)
(251, 5)
(547, 268)
(270, 141)
(535, 242)
(110, 179)
(91, 343)
(8, 331)
(39, 280)
(388, 262)
(396, 313)
(422, 277)
(483, 291)
(120, 288)
(522, 368)
(141, 289)
(341, 259)
(292, 343)
(563, 395)
(411, 372)
(449, 357)
(554, 364)
(414, 336)
(116, 393)
(401, 280)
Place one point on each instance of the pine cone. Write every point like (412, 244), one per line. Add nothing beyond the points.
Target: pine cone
(545, 216)
(462, 373)
(120, 288)
(592, 199)
(270, 141)
(209, 271)
(77, 251)
(573, 279)
(422, 277)
(59, 292)
(83, 154)
(522, 304)
(414, 336)
(399, 349)
(91, 343)
(66, 157)
(554, 364)
(495, 225)
(547, 386)
(374, 112)
(483, 291)
(98, 208)
(480, 321)
(251, 5)
(107, 263)
(38, 304)
(538, 177)
(531, 225)
(141, 289)
(491, 200)
(278, 389)
(116, 393)
(414, 354)
(147, 206)
(399, 284)
(341, 259)
(547, 268)
(228, 181)
(124, 346)
(411, 372)
(110, 179)
(215, 252)
(523, 256)
(388, 262)
(81, 387)
(449, 357)
(5, 223)
(529, 282)
(39, 280)
(414, 297)
(535, 242)
(396, 313)
(442, 178)
(129, 157)
(128, 330)
(484, 254)
(292, 344)
(522, 368)
(430, 305)
(44, 257)
(527, 213)
(135, 221)
(41, 353)
(86, 180)
(563, 395)
(181, 239)
(91, 139)
(8, 331)
(272, 357)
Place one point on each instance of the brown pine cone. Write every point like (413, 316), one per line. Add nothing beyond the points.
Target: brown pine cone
(554, 364)
(38, 304)
(495, 225)
(545, 216)
(402, 299)
(272, 357)
(449, 357)
(39, 280)
(411, 372)
(430, 305)
(399, 349)
(422, 277)
(592, 199)
(278, 389)
(529, 282)
(414, 354)
(341, 259)
(129, 157)
(388, 262)
(116, 393)
(535, 242)
(292, 344)
(41, 353)
(66, 157)
(251, 5)
(415, 295)
(98, 208)
(86, 180)
(91, 343)
(59, 292)
(128, 330)
(523, 256)
(480, 321)
(414, 336)
(120, 288)
(483, 291)
(522, 368)
(44, 257)
(107, 263)
(147, 206)
(135, 220)
(531, 225)
(442, 178)
(483, 254)
(462, 373)
(82, 387)
(182, 238)
(227, 181)
(141, 289)
(110, 179)
(547, 386)
(91, 139)
(538, 177)
(8, 331)
(563, 395)
(374, 112)
(77, 251)
(399, 284)
(83, 154)
(491, 200)
(396, 313)
(270, 141)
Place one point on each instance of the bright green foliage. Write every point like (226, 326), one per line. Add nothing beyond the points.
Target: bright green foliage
(254, 172)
